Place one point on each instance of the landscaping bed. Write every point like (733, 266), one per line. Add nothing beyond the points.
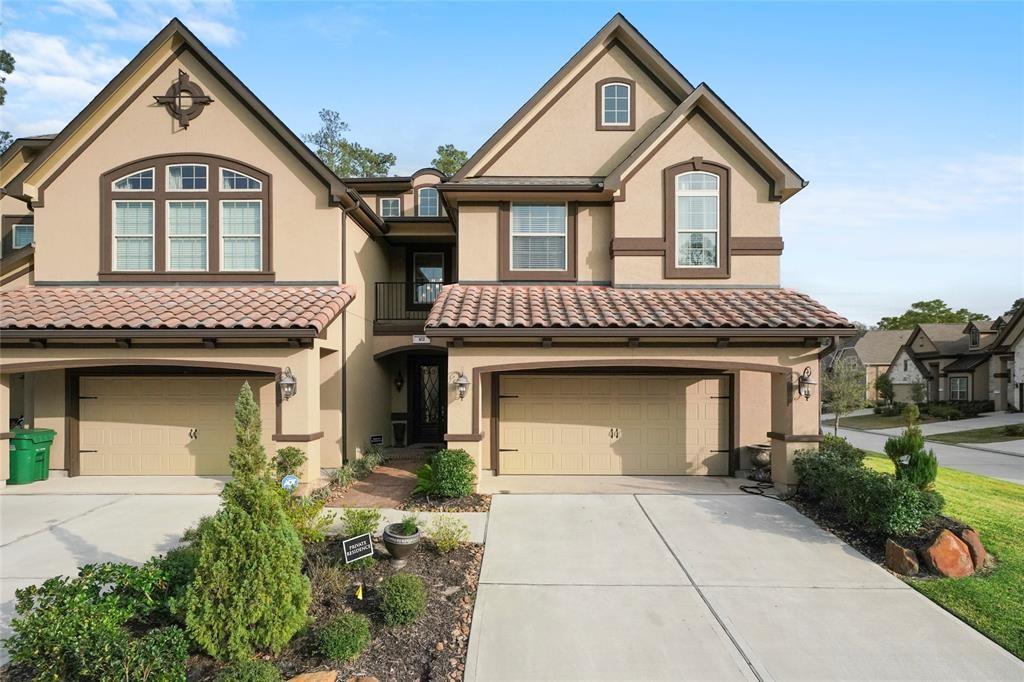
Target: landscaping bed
(423, 503)
(992, 434)
(870, 422)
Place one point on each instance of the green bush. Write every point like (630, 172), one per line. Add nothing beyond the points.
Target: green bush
(911, 414)
(359, 522)
(371, 459)
(911, 461)
(403, 598)
(248, 593)
(343, 476)
(839, 447)
(876, 503)
(81, 628)
(306, 516)
(449, 474)
(448, 532)
(252, 670)
(409, 524)
(288, 461)
(344, 637)
(179, 568)
(1014, 430)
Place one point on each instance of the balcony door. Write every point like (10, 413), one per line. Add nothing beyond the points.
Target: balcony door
(428, 398)
(429, 269)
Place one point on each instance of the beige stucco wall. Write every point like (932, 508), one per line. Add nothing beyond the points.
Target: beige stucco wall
(305, 229)
(478, 235)
(563, 140)
(594, 226)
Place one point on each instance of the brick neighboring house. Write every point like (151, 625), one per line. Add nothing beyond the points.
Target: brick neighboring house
(873, 353)
(596, 291)
(950, 361)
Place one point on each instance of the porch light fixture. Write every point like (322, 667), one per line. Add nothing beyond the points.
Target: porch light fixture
(462, 384)
(288, 384)
(399, 381)
(804, 383)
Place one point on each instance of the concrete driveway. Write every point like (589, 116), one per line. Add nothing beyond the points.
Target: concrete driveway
(702, 586)
(43, 535)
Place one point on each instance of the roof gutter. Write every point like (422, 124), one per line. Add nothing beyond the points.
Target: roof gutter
(591, 332)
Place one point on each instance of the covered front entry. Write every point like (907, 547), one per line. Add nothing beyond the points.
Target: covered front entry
(614, 424)
(163, 425)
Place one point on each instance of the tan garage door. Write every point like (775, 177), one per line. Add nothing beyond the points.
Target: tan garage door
(137, 425)
(613, 425)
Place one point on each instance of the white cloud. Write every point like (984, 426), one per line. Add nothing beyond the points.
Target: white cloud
(88, 8)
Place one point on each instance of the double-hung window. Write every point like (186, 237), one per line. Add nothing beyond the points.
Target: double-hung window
(22, 235)
(958, 388)
(133, 235)
(697, 220)
(241, 232)
(539, 234)
(615, 104)
(427, 202)
(188, 226)
(390, 207)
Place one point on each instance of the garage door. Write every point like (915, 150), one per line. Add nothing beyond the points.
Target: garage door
(136, 425)
(613, 425)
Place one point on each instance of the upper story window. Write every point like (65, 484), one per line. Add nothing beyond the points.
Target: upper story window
(390, 207)
(906, 365)
(166, 215)
(427, 202)
(22, 235)
(187, 177)
(975, 337)
(616, 106)
(697, 220)
(539, 235)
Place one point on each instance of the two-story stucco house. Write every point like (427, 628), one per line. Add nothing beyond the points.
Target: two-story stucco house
(596, 291)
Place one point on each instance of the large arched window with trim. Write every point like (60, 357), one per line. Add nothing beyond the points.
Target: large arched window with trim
(697, 220)
(185, 217)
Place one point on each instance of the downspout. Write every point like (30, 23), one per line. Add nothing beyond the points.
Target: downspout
(344, 336)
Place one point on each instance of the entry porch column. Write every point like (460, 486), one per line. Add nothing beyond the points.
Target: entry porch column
(1002, 375)
(796, 423)
(299, 417)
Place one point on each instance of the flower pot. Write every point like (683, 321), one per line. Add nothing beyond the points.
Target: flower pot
(399, 546)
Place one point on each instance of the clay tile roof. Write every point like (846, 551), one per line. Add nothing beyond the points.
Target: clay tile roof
(596, 307)
(199, 308)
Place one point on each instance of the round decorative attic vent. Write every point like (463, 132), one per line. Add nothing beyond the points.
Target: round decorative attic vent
(184, 100)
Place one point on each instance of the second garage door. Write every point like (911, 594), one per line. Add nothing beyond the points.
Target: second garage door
(613, 425)
(139, 425)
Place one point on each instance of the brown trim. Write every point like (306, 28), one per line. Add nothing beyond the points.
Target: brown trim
(1001, 375)
(72, 416)
(160, 195)
(523, 188)
(416, 203)
(411, 347)
(7, 279)
(599, 106)
(505, 271)
(6, 435)
(113, 365)
(495, 421)
(463, 437)
(755, 246)
(401, 205)
(411, 250)
(296, 437)
(7, 224)
(637, 246)
(696, 164)
(795, 438)
(399, 416)
(197, 333)
(584, 332)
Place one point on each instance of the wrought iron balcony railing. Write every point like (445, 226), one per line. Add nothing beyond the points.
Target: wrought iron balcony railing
(402, 301)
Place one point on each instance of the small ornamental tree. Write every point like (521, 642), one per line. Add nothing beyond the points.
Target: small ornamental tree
(843, 387)
(883, 386)
(248, 593)
(917, 392)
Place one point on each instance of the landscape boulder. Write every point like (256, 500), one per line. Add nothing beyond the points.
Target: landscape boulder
(319, 676)
(948, 556)
(899, 559)
(971, 538)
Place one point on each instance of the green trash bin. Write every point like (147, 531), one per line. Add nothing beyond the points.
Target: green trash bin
(30, 455)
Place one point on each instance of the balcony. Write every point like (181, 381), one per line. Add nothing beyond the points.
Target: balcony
(402, 307)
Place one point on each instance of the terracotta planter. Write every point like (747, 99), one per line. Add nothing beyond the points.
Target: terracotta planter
(399, 546)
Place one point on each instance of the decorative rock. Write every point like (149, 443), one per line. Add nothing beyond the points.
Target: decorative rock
(948, 556)
(320, 676)
(900, 559)
(363, 678)
(973, 542)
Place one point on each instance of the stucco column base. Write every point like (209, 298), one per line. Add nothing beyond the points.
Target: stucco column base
(301, 415)
(5, 414)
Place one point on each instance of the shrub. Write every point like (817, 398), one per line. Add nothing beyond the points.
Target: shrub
(883, 385)
(250, 671)
(1014, 430)
(917, 392)
(249, 592)
(911, 461)
(911, 414)
(409, 524)
(344, 637)
(448, 532)
(343, 476)
(449, 474)
(158, 656)
(841, 448)
(359, 522)
(179, 568)
(364, 466)
(288, 461)
(306, 516)
(403, 598)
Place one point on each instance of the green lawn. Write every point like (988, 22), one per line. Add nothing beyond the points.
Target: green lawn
(875, 421)
(993, 434)
(992, 603)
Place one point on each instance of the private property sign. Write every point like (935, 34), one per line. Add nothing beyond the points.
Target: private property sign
(356, 548)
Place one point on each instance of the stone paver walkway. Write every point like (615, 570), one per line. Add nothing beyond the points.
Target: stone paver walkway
(387, 486)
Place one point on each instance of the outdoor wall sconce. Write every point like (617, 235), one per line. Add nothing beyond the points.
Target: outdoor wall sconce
(804, 383)
(462, 384)
(399, 381)
(288, 384)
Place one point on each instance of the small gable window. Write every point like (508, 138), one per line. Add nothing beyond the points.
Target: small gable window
(390, 207)
(186, 178)
(22, 236)
(427, 202)
(233, 181)
(141, 181)
(975, 337)
(616, 104)
(696, 220)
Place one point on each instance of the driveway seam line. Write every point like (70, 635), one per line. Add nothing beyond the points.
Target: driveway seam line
(61, 523)
(700, 592)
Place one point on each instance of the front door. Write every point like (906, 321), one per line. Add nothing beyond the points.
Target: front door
(428, 408)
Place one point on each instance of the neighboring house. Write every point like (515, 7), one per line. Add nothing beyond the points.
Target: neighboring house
(1007, 363)
(595, 291)
(950, 361)
(873, 353)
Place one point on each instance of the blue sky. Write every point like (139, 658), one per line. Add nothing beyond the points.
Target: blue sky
(907, 118)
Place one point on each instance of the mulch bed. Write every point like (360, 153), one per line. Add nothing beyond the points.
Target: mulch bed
(431, 649)
(471, 503)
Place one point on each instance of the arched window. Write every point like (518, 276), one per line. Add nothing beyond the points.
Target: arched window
(616, 105)
(697, 220)
(427, 204)
(195, 216)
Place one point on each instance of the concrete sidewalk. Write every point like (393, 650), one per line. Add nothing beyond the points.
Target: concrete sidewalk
(709, 587)
(977, 461)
